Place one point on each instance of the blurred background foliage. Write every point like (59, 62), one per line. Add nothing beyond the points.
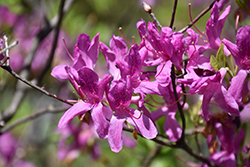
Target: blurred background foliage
(38, 137)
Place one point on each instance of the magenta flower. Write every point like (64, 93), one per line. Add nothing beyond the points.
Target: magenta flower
(119, 98)
(230, 145)
(7, 17)
(87, 84)
(8, 149)
(209, 84)
(116, 53)
(215, 25)
(240, 50)
(84, 140)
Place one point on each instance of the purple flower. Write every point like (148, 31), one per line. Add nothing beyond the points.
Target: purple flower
(87, 85)
(240, 50)
(230, 145)
(209, 84)
(84, 139)
(215, 25)
(6, 16)
(119, 98)
(8, 149)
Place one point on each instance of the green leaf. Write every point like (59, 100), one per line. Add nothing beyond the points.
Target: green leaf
(214, 63)
(221, 57)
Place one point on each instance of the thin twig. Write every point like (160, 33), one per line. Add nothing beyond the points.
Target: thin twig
(147, 8)
(49, 109)
(173, 78)
(183, 146)
(54, 44)
(173, 14)
(157, 140)
(13, 44)
(7, 68)
(21, 89)
(152, 156)
(198, 17)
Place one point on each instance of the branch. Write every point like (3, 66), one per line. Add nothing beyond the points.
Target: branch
(49, 109)
(55, 40)
(173, 14)
(173, 78)
(21, 89)
(198, 17)
(157, 140)
(147, 8)
(152, 156)
(183, 146)
(7, 68)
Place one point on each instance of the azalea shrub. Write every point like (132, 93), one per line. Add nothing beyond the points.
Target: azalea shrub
(182, 89)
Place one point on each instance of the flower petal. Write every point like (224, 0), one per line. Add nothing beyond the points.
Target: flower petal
(142, 123)
(100, 122)
(60, 72)
(226, 102)
(115, 133)
(76, 109)
(172, 127)
(93, 51)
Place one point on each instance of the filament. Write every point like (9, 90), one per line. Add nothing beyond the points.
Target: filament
(189, 5)
(130, 113)
(198, 90)
(125, 37)
(169, 105)
(64, 43)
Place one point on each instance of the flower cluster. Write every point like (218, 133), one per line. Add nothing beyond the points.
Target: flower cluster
(181, 64)
(25, 27)
(9, 152)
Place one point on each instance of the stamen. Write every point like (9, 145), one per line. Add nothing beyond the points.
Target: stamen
(197, 91)
(133, 39)
(166, 105)
(193, 51)
(159, 72)
(93, 100)
(67, 48)
(154, 51)
(82, 95)
(125, 37)
(189, 5)
(151, 98)
(125, 108)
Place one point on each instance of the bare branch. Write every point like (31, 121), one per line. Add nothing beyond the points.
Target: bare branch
(7, 68)
(21, 89)
(49, 109)
(152, 156)
(52, 52)
(173, 14)
(13, 44)
(147, 8)
(198, 17)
